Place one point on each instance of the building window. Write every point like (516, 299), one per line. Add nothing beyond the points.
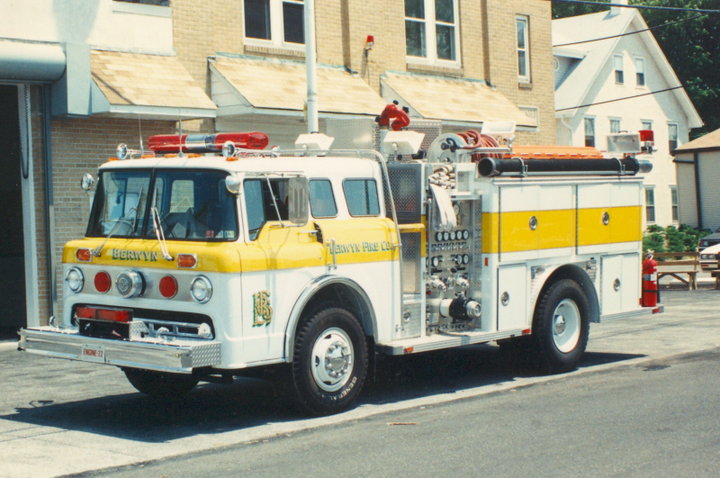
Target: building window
(640, 71)
(619, 70)
(615, 124)
(646, 124)
(672, 137)
(590, 132)
(674, 202)
(522, 24)
(278, 21)
(650, 205)
(431, 30)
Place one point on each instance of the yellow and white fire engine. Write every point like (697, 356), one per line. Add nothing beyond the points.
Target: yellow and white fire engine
(214, 255)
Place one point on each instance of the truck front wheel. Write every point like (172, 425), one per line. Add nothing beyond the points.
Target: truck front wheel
(160, 384)
(560, 327)
(330, 361)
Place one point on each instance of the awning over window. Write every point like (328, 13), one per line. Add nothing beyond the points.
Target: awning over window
(132, 84)
(242, 86)
(457, 101)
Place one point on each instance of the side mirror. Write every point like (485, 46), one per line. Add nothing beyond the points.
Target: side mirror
(87, 183)
(232, 184)
(298, 200)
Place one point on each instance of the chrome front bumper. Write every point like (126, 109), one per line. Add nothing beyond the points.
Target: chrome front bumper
(167, 356)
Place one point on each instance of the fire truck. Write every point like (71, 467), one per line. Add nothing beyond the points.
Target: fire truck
(212, 255)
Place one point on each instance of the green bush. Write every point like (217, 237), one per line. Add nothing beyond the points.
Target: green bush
(672, 239)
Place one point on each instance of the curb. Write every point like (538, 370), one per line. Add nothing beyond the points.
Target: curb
(365, 411)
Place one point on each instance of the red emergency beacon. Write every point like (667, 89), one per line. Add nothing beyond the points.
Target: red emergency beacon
(205, 143)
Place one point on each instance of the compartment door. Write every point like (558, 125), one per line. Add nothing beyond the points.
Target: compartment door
(512, 302)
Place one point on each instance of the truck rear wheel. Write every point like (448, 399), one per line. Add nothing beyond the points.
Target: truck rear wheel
(560, 327)
(330, 361)
(160, 384)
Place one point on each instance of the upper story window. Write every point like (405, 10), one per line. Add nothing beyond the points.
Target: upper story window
(361, 196)
(432, 31)
(619, 69)
(672, 137)
(650, 204)
(522, 24)
(279, 22)
(615, 125)
(640, 71)
(590, 132)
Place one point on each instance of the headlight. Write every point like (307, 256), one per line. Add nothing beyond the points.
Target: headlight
(74, 279)
(201, 289)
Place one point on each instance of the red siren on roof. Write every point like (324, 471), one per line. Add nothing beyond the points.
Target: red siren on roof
(205, 143)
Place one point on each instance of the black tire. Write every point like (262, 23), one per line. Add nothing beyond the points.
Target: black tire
(561, 325)
(330, 361)
(160, 384)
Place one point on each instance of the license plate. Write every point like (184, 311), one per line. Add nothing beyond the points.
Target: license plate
(93, 353)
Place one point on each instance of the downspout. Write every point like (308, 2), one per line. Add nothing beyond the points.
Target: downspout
(698, 201)
(49, 199)
(311, 67)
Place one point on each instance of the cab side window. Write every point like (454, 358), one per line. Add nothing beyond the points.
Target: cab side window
(265, 202)
(322, 200)
(361, 196)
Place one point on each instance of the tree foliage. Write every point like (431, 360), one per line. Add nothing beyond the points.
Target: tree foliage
(692, 47)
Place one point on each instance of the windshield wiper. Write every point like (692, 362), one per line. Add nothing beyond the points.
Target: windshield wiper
(160, 234)
(123, 220)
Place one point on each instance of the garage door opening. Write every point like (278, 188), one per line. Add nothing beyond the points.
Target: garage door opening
(12, 246)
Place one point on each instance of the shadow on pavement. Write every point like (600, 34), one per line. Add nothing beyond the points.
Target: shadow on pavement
(213, 408)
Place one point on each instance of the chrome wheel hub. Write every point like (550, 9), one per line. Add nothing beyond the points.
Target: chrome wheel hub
(332, 359)
(566, 325)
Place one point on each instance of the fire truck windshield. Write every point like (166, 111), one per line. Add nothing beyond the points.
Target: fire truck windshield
(191, 204)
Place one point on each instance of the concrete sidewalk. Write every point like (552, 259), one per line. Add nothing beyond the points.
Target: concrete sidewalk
(59, 417)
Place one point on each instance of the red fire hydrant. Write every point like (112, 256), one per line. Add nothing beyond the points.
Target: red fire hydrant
(649, 282)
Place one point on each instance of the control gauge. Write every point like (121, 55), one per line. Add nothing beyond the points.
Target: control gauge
(435, 261)
(465, 259)
(466, 235)
(438, 236)
(452, 235)
(446, 236)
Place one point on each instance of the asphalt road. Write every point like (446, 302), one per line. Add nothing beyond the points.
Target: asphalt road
(59, 417)
(657, 419)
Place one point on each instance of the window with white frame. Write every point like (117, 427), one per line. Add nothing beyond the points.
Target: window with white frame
(646, 124)
(674, 203)
(650, 205)
(590, 132)
(615, 125)
(277, 22)
(619, 69)
(432, 32)
(522, 26)
(672, 136)
(640, 71)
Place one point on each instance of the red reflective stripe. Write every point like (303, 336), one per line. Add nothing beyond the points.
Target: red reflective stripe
(113, 315)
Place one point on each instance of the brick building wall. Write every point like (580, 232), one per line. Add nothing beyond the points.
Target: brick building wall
(487, 45)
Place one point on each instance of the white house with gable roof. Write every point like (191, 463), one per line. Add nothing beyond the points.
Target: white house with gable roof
(622, 82)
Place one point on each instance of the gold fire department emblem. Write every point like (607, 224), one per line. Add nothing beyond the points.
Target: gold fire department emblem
(262, 311)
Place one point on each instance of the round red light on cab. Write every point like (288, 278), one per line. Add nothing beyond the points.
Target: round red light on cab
(168, 287)
(102, 282)
(84, 255)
